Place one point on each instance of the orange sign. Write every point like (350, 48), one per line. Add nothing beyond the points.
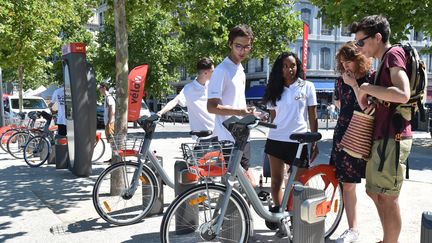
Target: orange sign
(136, 85)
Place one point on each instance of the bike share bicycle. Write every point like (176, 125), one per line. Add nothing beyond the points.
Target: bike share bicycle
(221, 213)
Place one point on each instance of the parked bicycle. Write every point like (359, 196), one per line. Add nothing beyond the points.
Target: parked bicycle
(137, 184)
(217, 212)
(137, 188)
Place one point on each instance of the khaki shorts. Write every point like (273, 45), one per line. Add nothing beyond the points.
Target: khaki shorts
(109, 131)
(389, 180)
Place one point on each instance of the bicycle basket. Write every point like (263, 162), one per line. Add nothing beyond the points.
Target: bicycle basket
(128, 145)
(207, 159)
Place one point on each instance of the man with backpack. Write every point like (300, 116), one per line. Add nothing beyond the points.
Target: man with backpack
(392, 137)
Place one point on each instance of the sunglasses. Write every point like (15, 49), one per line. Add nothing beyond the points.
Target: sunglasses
(360, 43)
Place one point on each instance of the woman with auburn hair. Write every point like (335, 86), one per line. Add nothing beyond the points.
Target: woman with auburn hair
(355, 70)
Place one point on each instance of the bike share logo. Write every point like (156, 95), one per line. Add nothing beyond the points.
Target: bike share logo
(135, 90)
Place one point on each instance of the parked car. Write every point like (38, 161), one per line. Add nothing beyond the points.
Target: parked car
(30, 103)
(177, 114)
(100, 116)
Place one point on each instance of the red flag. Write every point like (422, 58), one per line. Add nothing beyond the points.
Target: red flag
(305, 47)
(136, 85)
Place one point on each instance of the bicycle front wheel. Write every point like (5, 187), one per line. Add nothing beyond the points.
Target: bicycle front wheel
(16, 143)
(37, 151)
(5, 137)
(98, 150)
(113, 199)
(191, 217)
(320, 178)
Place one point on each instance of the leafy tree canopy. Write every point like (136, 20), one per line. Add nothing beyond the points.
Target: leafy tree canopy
(171, 34)
(403, 15)
(32, 32)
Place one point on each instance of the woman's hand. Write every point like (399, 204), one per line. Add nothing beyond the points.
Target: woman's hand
(349, 78)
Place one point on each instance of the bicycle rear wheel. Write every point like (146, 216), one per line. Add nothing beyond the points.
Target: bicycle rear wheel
(16, 143)
(323, 177)
(98, 150)
(112, 200)
(189, 217)
(37, 151)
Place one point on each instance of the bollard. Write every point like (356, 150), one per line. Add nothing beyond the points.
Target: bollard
(158, 205)
(426, 228)
(186, 218)
(308, 227)
(51, 157)
(61, 152)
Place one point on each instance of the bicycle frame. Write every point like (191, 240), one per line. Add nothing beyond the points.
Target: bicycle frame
(236, 171)
(145, 154)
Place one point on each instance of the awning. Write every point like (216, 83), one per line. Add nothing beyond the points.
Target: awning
(255, 92)
(324, 86)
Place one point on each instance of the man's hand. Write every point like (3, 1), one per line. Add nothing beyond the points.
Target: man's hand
(314, 151)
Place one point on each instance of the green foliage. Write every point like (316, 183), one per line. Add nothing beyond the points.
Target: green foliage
(403, 15)
(172, 34)
(32, 32)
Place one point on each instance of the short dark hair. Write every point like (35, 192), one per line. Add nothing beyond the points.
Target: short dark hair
(372, 25)
(104, 85)
(240, 31)
(204, 64)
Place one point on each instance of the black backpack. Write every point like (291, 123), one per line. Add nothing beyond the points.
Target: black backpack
(418, 84)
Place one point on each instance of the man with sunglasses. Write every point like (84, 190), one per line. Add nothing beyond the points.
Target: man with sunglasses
(391, 87)
(226, 91)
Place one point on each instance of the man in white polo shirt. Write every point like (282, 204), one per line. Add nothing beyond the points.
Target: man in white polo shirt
(226, 95)
(194, 97)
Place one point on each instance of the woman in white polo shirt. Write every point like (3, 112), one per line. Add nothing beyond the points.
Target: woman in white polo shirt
(291, 101)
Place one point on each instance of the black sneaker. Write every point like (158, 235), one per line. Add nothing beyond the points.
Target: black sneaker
(271, 225)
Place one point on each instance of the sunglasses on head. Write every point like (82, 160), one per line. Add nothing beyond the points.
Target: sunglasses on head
(360, 43)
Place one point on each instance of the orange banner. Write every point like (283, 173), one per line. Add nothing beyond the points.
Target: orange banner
(136, 85)
(305, 47)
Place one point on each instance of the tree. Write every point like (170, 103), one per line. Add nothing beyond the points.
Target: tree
(31, 30)
(402, 15)
(172, 34)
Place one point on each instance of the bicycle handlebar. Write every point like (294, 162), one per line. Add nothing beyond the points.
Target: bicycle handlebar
(267, 124)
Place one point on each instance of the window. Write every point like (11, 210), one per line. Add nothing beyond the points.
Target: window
(346, 30)
(183, 73)
(418, 36)
(29, 104)
(325, 58)
(430, 63)
(308, 57)
(101, 19)
(325, 29)
(246, 67)
(306, 17)
(259, 64)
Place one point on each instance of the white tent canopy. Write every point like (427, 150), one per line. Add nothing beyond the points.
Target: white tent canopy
(31, 92)
(47, 93)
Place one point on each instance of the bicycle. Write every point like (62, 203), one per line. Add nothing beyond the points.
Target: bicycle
(126, 204)
(18, 139)
(139, 187)
(223, 213)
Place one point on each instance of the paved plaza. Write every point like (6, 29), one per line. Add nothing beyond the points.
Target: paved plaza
(48, 205)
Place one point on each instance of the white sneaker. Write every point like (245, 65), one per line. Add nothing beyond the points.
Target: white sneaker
(349, 235)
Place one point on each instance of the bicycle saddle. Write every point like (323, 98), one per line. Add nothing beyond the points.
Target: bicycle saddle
(201, 134)
(307, 137)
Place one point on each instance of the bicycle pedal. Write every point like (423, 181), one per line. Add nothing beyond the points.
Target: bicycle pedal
(263, 195)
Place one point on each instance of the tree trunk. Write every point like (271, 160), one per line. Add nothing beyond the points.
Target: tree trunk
(121, 86)
(20, 87)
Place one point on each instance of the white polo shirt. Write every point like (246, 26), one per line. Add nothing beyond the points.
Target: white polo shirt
(291, 110)
(58, 98)
(227, 84)
(194, 96)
